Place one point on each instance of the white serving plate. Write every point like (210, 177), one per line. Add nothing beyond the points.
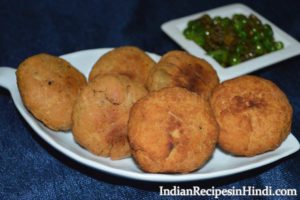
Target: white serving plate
(219, 165)
(174, 29)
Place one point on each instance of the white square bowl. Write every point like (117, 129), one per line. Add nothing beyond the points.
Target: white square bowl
(174, 29)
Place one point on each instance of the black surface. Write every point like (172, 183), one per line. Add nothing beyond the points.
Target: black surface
(31, 169)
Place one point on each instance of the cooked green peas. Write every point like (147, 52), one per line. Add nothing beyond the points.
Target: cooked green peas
(231, 41)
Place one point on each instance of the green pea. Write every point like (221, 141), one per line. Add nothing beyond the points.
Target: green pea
(253, 31)
(238, 26)
(217, 20)
(220, 55)
(225, 22)
(202, 32)
(194, 26)
(268, 30)
(244, 19)
(234, 59)
(205, 19)
(259, 49)
(188, 33)
(191, 34)
(279, 45)
(273, 48)
(242, 35)
(236, 17)
(262, 35)
(239, 49)
(192, 23)
(268, 44)
(256, 37)
(254, 20)
(240, 18)
(199, 40)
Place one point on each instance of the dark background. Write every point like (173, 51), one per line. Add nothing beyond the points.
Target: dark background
(31, 169)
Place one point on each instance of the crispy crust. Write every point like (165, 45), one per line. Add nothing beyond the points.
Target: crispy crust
(101, 114)
(180, 69)
(172, 130)
(49, 86)
(254, 115)
(128, 60)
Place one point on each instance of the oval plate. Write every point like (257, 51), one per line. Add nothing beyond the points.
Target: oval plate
(220, 164)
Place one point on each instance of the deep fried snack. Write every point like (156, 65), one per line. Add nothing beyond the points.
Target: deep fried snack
(172, 131)
(49, 86)
(101, 114)
(128, 60)
(178, 68)
(254, 115)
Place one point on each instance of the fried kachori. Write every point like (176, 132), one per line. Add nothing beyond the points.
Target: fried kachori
(254, 115)
(172, 130)
(126, 60)
(101, 114)
(181, 69)
(49, 86)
